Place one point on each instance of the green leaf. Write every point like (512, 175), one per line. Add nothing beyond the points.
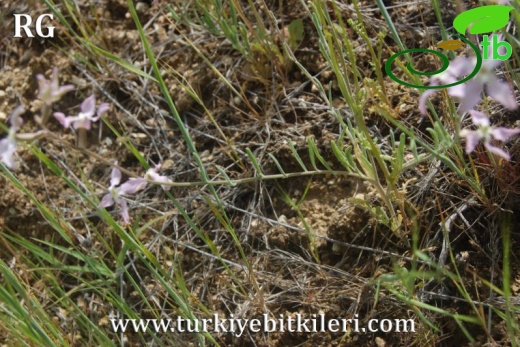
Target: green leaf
(297, 156)
(223, 173)
(254, 162)
(312, 146)
(295, 33)
(123, 63)
(277, 164)
(485, 19)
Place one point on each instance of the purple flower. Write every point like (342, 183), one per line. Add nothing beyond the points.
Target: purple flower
(457, 68)
(487, 80)
(114, 195)
(487, 133)
(50, 91)
(8, 145)
(152, 175)
(469, 94)
(83, 119)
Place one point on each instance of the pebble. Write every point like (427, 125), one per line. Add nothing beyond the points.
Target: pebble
(168, 163)
(359, 196)
(141, 7)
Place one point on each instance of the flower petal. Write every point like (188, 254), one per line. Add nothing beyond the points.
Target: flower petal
(65, 121)
(50, 91)
(152, 175)
(479, 118)
(124, 211)
(15, 119)
(460, 66)
(63, 90)
(102, 109)
(423, 99)
(458, 91)
(88, 106)
(44, 90)
(497, 151)
(115, 176)
(7, 150)
(132, 186)
(106, 201)
(501, 92)
(502, 134)
(471, 95)
(472, 139)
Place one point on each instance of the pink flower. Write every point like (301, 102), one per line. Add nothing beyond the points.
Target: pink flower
(114, 195)
(457, 68)
(470, 93)
(152, 175)
(50, 91)
(487, 133)
(487, 80)
(83, 119)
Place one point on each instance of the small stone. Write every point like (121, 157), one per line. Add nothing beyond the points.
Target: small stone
(359, 196)
(168, 163)
(139, 135)
(140, 7)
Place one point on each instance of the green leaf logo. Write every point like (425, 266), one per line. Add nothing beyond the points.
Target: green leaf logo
(483, 19)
